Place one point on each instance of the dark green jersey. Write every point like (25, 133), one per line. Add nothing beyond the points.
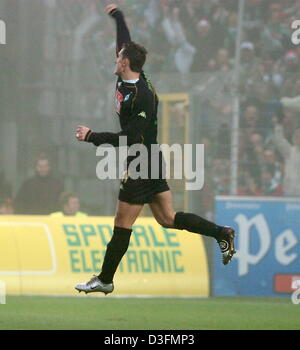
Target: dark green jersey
(136, 107)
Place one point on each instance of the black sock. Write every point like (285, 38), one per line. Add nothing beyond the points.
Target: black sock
(115, 250)
(196, 224)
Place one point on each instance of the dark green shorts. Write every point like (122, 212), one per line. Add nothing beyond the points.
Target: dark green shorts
(141, 191)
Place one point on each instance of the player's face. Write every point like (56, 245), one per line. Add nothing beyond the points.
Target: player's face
(120, 64)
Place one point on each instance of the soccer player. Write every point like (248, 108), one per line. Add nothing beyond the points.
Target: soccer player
(136, 107)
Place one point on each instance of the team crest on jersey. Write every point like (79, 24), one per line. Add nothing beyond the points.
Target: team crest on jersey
(127, 97)
(119, 100)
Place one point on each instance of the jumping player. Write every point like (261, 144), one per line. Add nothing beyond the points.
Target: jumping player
(136, 107)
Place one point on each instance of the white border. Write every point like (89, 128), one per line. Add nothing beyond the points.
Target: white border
(51, 245)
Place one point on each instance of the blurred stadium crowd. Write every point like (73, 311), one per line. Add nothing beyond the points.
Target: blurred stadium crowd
(198, 36)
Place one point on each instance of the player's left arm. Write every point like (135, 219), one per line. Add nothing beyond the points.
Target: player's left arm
(123, 34)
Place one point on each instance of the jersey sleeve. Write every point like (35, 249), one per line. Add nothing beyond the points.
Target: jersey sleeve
(123, 35)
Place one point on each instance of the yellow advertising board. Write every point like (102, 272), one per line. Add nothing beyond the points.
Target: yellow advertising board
(48, 255)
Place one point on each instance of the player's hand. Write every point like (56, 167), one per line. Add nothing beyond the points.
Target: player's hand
(109, 8)
(81, 132)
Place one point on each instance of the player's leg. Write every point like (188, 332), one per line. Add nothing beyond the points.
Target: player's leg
(126, 214)
(162, 209)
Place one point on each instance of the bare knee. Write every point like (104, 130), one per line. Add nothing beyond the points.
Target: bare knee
(126, 214)
(122, 220)
(166, 221)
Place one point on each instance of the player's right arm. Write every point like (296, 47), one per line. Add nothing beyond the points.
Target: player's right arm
(123, 35)
(142, 110)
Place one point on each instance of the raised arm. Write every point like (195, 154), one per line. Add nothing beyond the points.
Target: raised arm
(123, 35)
(283, 146)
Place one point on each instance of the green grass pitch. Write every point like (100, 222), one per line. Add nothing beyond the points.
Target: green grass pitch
(37, 312)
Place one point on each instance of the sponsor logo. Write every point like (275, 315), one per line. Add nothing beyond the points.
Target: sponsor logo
(142, 114)
(286, 283)
(127, 97)
(224, 245)
(258, 226)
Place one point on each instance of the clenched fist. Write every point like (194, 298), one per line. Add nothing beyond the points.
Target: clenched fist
(81, 132)
(110, 8)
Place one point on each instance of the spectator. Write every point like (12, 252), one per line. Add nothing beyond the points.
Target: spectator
(70, 205)
(231, 32)
(152, 12)
(291, 86)
(270, 161)
(3, 209)
(255, 14)
(270, 186)
(291, 155)
(221, 176)
(257, 144)
(5, 188)
(223, 60)
(247, 52)
(39, 194)
(182, 50)
(6, 202)
(269, 74)
(6, 207)
(248, 70)
(223, 142)
(219, 21)
(291, 62)
(290, 123)
(251, 121)
(292, 103)
(249, 186)
(274, 36)
(205, 46)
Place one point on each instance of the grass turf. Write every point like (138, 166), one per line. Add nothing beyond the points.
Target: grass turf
(37, 312)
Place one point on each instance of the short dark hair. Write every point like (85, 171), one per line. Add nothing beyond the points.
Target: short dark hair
(136, 55)
(65, 197)
(42, 157)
